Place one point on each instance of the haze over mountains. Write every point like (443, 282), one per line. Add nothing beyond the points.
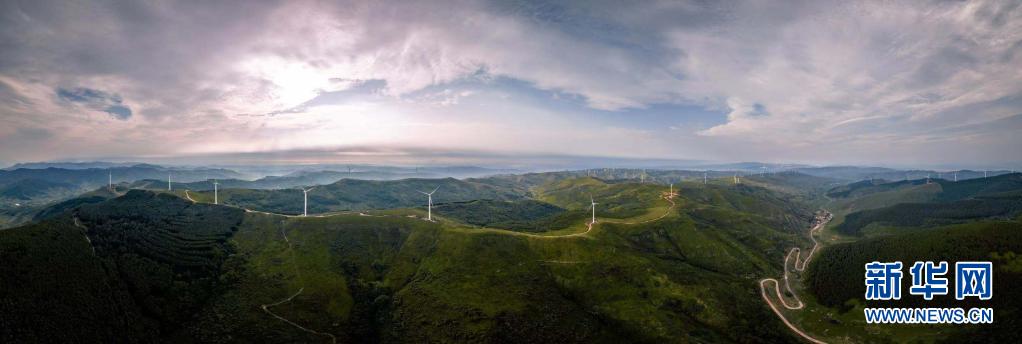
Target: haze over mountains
(507, 258)
(27, 188)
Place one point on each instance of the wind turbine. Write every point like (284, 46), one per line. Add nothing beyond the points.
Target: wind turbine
(216, 199)
(110, 184)
(168, 182)
(956, 176)
(593, 205)
(429, 203)
(704, 178)
(305, 209)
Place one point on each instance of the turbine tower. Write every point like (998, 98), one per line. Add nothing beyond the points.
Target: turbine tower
(593, 205)
(429, 203)
(216, 199)
(305, 208)
(168, 182)
(704, 178)
(110, 184)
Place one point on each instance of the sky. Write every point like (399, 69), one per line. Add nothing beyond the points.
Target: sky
(906, 83)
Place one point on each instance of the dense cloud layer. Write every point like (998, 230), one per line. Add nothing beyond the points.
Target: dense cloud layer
(817, 81)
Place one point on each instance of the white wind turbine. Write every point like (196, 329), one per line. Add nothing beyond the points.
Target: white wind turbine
(216, 199)
(305, 208)
(110, 184)
(704, 178)
(168, 182)
(593, 205)
(429, 203)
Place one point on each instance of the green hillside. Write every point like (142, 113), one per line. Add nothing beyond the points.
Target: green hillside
(524, 215)
(835, 277)
(971, 220)
(27, 189)
(351, 194)
(128, 268)
(615, 200)
(186, 272)
(932, 214)
(918, 204)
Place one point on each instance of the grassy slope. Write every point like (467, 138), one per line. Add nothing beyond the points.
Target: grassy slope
(689, 276)
(524, 215)
(433, 284)
(349, 194)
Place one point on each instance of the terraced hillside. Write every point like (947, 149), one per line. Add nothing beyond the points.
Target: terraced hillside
(128, 268)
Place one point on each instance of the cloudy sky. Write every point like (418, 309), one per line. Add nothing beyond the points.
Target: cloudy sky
(889, 83)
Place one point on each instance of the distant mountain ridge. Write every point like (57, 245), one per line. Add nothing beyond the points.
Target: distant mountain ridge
(94, 177)
(72, 165)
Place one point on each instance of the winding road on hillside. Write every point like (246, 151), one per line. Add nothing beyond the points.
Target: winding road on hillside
(821, 221)
(267, 307)
(298, 274)
(85, 232)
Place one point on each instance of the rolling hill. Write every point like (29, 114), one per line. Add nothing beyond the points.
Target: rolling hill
(177, 271)
(918, 204)
(350, 194)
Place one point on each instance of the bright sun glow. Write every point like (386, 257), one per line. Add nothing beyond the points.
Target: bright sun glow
(293, 83)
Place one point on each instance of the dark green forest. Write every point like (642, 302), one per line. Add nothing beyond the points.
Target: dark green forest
(525, 215)
(129, 268)
(836, 276)
(932, 214)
